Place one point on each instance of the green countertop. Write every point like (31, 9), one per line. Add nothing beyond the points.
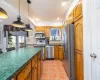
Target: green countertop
(11, 62)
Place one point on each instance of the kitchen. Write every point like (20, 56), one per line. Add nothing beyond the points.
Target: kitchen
(49, 40)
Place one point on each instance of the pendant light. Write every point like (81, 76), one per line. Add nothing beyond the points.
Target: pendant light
(19, 22)
(28, 28)
(3, 14)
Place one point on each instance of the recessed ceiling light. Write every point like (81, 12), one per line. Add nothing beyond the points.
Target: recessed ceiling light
(57, 18)
(37, 19)
(63, 3)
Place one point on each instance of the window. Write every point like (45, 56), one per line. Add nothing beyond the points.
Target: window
(54, 34)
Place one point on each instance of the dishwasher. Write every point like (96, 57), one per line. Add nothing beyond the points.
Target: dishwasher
(49, 52)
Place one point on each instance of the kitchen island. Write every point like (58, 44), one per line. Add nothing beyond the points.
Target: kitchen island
(13, 64)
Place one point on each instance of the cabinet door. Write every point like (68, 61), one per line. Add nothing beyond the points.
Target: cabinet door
(61, 53)
(47, 31)
(39, 70)
(79, 35)
(24, 73)
(56, 55)
(70, 18)
(78, 11)
(38, 29)
(42, 29)
(45, 53)
(28, 77)
(79, 65)
(34, 72)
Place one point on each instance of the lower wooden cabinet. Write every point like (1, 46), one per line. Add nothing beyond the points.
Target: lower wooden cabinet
(39, 66)
(34, 72)
(58, 52)
(28, 77)
(25, 72)
(39, 70)
(79, 65)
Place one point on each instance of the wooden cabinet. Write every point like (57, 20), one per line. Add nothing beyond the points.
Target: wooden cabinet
(23, 74)
(34, 61)
(47, 31)
(39, 70)
(79, 34)
(34, 72)
(58, 52)
(39, 29)
(28, 77)
(79, 49)
(61, 53)
(79, 65)
(45, 53)
(70, 18)
(78, 11)
(39, 66)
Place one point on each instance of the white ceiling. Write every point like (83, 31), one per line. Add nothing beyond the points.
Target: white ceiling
(47, 11)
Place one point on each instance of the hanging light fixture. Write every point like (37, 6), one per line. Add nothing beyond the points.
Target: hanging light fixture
(28, 28)
(3, 14)
(19, 22)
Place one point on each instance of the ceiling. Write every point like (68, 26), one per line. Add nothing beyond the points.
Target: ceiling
(42, 12)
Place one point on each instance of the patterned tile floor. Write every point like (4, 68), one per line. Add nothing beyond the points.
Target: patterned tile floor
(53, 70)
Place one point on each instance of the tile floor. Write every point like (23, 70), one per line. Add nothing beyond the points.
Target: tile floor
(53, 70)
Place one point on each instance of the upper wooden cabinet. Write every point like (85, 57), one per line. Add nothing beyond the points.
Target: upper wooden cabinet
(70, 18)
(47, 31)
(78, 11)
(39, 29)
(79, 34)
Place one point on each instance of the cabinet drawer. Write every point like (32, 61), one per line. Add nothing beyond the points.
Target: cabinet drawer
(34, 60)
(23, 74)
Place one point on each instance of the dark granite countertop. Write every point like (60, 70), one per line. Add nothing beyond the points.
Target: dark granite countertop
(11, 62)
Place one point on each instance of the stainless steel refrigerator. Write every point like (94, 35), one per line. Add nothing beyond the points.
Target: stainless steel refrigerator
(68, 43)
